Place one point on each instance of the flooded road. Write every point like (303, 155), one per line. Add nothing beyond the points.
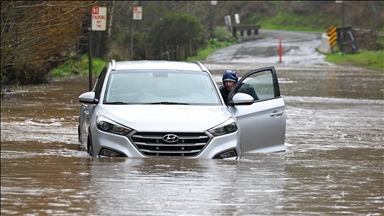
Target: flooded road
(333, 164)
(297, 47)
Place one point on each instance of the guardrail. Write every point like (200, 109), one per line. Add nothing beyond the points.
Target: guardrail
(251, 30)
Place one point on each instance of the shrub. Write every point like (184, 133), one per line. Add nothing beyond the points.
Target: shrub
(177, 29)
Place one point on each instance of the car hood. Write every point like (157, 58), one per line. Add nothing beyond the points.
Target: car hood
(164, 118)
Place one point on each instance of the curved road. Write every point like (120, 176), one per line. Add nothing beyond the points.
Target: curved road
(298, 48)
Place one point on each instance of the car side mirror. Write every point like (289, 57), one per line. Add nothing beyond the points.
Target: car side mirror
(87, 97)
(241, 99)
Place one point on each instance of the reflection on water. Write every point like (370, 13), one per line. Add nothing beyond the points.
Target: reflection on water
(185, 187)
(333, 83)
(344, 181)
(333, 164)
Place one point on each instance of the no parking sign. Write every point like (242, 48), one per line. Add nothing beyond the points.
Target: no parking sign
(99, 18)
(137, 13)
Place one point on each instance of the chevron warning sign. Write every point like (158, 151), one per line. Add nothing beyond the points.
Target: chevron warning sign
(331, 31)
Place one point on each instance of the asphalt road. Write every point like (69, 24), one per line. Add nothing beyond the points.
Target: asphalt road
(297, 47)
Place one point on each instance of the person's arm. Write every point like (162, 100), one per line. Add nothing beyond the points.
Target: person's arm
(224, 94)
(253, 93)
(248, 89)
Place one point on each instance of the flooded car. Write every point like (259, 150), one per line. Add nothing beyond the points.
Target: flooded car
(146, 108)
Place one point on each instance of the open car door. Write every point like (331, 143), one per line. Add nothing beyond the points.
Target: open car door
(259, 108)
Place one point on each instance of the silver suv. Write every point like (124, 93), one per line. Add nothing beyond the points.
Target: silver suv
(145, 109)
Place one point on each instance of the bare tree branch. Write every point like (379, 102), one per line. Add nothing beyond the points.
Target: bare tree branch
(33, 31)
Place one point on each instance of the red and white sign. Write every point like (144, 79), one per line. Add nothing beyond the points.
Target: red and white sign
(99, 18)
(137, 13)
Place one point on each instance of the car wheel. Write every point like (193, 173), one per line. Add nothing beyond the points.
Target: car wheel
(90, 146)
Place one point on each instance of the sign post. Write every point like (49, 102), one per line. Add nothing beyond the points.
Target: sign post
(137, 15)
(341, 45)
(99, 23)
(90, 59)
(280, 50)
(213, 3)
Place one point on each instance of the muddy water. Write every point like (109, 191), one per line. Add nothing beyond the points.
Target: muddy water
(333, 164)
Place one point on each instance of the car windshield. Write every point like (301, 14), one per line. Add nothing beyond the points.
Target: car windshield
(161, 87)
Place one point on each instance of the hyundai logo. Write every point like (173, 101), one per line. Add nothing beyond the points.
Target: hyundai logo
(170, 138)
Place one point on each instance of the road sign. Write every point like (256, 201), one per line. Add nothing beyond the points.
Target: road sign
(99, 18)
(331, 31)
(137, 13)
(237, 18)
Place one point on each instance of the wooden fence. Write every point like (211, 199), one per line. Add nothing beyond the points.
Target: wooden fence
(176, 53)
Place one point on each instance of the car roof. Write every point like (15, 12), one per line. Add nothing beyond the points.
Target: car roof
(159, 64)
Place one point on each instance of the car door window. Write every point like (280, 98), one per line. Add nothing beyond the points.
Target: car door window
(260, 84)
(99, 83)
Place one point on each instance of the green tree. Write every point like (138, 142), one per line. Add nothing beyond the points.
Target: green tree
(177, 29)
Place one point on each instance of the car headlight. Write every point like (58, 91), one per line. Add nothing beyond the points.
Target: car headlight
(107, 125)
(226, 127)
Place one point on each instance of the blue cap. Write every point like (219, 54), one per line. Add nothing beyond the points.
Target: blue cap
(230, 75)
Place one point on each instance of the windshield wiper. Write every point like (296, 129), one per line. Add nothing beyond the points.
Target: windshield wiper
(169, 103)
(117, 102)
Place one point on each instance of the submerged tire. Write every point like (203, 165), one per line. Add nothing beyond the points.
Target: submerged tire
(90, 147)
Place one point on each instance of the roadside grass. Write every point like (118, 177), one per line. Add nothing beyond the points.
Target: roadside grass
(291, 28)
(77, 67)
(367, 59)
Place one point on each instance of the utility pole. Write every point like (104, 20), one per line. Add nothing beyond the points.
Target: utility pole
(137, 15)
(90, 72)
(131, 51)
(212, 15)
(342, 27)
(341, 39)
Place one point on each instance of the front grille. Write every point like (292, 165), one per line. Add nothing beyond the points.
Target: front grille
(152, 144)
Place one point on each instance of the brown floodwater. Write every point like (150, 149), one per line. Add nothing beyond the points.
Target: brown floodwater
(333, 164)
